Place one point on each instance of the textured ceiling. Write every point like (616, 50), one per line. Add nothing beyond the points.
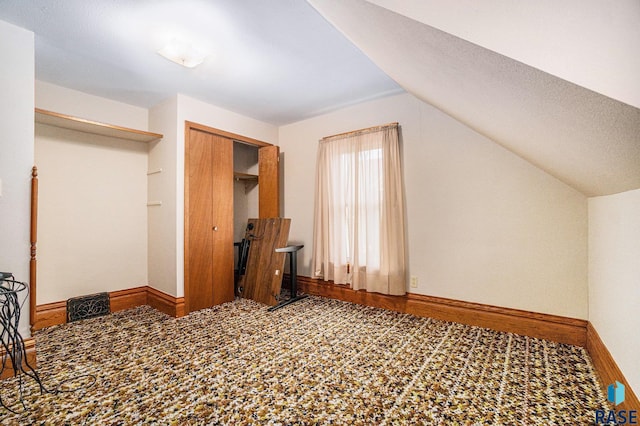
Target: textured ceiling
(592, 43)
(585, 139)
(277, 61)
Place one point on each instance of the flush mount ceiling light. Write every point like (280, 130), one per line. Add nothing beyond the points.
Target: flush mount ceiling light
(183, 53)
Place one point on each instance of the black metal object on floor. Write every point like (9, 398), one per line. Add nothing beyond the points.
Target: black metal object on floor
(292, 251)
(13, 354)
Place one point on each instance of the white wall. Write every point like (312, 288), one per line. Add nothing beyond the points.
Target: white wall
(614, 277)
(168, 229)
(16, 154)
(483, 225)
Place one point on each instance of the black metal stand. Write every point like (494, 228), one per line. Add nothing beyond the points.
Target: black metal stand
(292, 251)
(14, 354)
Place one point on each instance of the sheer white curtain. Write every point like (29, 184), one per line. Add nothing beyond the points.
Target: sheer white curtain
(359, 211)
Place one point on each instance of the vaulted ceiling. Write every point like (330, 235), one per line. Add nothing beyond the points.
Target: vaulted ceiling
(556, 83)
(587, 139)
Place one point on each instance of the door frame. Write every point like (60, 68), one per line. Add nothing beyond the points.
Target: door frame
(190, 125)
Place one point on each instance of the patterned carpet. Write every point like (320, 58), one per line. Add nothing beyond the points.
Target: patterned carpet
(319, 361)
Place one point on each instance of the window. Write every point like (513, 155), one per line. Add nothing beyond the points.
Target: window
(359, 211)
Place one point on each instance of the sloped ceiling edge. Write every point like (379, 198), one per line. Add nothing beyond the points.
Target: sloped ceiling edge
(586, 42)
(587, 140)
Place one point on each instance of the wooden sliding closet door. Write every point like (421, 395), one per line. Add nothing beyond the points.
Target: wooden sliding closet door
(209, 231)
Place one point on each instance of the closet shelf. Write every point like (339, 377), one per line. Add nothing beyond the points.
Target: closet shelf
(93, 127)
(250, 181)
(244, 176)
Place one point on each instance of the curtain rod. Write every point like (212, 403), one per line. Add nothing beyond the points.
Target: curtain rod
(366, 129)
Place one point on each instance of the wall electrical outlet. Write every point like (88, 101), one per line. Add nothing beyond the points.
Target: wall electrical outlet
(414, 281)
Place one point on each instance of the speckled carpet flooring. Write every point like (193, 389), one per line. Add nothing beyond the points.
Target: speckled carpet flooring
(318, 361)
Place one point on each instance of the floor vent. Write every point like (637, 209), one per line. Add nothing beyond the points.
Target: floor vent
(94, 305)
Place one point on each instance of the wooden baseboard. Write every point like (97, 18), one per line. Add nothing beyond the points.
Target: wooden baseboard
(544, 326)
(608, 370)
(30, 347)
(50, 314)
(56, 313)
(170, 305)
(127, 299)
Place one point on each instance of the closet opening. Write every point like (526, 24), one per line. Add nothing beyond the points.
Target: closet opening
(229, 179)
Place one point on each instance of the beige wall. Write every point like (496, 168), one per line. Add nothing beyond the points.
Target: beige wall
(483, 225)
(78, 104)
(16, 154)
(162, 220)
(614, 277)
(92, 227)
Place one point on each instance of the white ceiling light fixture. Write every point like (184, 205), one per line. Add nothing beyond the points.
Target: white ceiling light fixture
(183, 53)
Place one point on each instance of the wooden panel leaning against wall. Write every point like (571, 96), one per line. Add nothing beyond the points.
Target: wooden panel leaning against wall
(264, 271)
